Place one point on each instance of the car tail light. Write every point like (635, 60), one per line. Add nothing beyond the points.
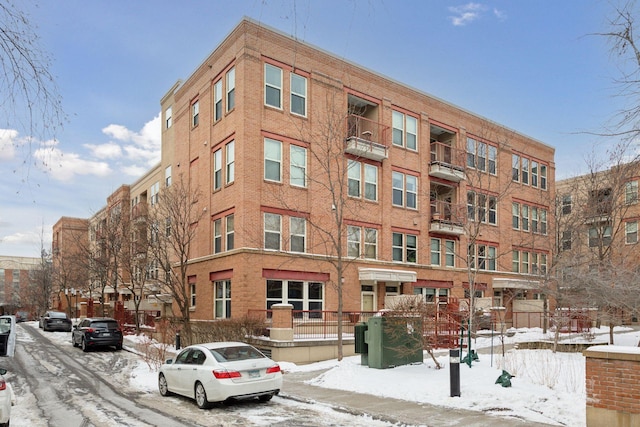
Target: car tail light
(90, 330)
(224, 374)
(3, 384)
(273, 369)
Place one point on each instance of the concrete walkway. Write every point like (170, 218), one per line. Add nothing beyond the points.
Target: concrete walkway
(394, 411)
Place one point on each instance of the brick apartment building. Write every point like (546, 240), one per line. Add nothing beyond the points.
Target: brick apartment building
(15, 278)
(292, 147)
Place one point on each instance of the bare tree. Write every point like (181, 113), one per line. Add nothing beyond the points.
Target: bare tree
(38, 292)
(30, 99)
(174, 222)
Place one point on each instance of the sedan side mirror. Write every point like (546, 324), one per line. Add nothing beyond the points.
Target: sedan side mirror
(169, 361)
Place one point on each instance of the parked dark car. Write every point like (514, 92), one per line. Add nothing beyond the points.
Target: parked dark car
(22, 316)
(97, 332)
(55, 321)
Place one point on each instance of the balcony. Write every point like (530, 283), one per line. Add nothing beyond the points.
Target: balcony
(139, 212)
(447, 162)
(447, 218)
(366, 138)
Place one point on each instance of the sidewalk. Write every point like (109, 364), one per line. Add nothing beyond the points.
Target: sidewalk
(394, 411)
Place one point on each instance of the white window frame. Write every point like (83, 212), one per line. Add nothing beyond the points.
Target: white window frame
(354, 178)
(631, 192)
(301, 95)
(230, 80)
(272, 226)
(217, 236)
(354, 241)
(407, 125)
(168, 117)
(515, 168)
(192, 294)
(230, 154)
(631, 232)
(217, 170)
(272, 85)
(450, 253)
(298, 231)
(222, 300)
(195, 113)
(370, 243)
(229, 232)
(217, 100)
(370, 182)
(167, 176)
(298, 166)
(268, 159)
(435, 251)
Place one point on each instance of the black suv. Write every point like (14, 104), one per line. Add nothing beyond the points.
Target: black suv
(97, 332)
(55, 321)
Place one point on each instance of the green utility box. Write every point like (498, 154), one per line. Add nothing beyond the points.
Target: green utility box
(393, 341)
(361, 346)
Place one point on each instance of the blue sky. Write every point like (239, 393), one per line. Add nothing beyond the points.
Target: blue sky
(530, 65)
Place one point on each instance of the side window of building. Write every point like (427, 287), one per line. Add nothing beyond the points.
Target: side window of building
(272, 86)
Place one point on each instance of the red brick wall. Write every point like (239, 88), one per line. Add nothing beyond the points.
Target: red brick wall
(612, 383)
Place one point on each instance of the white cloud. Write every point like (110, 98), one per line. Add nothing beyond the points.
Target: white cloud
(7, 143)
(110, 150)
(500, 14)
(144, 145)
(466, 14)
(64, 166)
(134, 170)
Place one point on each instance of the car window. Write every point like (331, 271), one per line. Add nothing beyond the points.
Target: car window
(230, 354)
(84, 323)
(105, 325)
(183, 357)
(57, 315)
(197, 357)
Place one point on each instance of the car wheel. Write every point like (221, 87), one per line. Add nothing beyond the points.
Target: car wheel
(118, 347)
(201, 396)
(162, 385)
(84, 346)
(265, 397)
(73, 341)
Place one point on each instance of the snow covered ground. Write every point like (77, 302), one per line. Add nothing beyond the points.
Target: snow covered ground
(547, 387)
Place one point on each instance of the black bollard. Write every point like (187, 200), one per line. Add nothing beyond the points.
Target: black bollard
(454, 372)
(178, 341)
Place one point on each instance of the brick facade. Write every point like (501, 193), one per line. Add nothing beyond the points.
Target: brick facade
(613, 386)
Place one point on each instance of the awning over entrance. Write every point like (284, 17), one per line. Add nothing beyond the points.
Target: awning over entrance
(385, 275)
(515, 284)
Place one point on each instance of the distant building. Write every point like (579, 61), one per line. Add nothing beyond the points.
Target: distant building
(279, 136)
(16, 274)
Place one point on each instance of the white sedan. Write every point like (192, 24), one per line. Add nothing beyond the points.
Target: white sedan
(7, 399)
(219, 371)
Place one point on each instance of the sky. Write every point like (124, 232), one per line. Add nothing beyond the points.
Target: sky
(534, 66)
(546, 388)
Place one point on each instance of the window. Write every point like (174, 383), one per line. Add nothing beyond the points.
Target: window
(154, 191)
(534, 173)
(222, 301)
(217, 236)
(192, 294)
(631, 232)
(432, 294)
(525, 218)
(600, 236)
(483, 257)
(515, 167)
(298, 174)
(217, 100)
(302, 295)
(298, 95)
(543, 221)
(524, 265)
(515, 215)
(370, 182)
(272, 231)
(525, 170)
(435, 251)
(272, 86)
(231, 162)
(631, 192)
(217, 170)
(400, 182)
(167, 176)
(354, 242)
(195, 112)
(168, 120)
(515, 262)
(167, 227)
(493, 159)
(566, 204)
(371, 243)
(298, 230)
(272, 160)
(231, 89)
(405, 130)
(449, 253)
(482, 208)
(543, 177)
(353, 175)
(534, 220)
(477, 155)
(230, 232)
(404, 247)
(565, 243)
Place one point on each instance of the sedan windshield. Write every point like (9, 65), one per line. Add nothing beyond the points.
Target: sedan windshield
(231, 354)
(58, 315)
